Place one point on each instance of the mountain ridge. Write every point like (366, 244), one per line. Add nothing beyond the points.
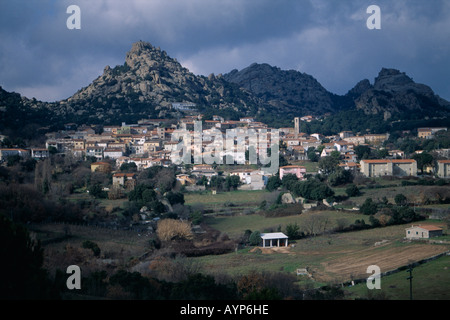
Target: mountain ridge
(149, 81)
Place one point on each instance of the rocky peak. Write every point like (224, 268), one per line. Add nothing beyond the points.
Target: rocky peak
(391, 79)
(395, 92)
(283, 88)
(149, 82)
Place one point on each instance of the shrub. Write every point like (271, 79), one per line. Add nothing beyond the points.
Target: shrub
(93, 246)
(340, 177)
(293, 231)
(289, 181)
(175, 197)
(255, 238)
(313, 190)
(400, 200)
(352, 191)
(273, 183)
(196, 217)
(170, 229)
(368, 207)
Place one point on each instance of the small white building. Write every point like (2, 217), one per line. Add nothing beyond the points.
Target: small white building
(423, 232)
(40, 153)
(113, 153)
(275, 239)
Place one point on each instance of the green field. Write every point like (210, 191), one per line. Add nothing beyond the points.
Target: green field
(235, 226)
(311, 167)
(431, 281)
(221, 198)
(331, 258)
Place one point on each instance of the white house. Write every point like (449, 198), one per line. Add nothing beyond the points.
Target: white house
(423, 232)
(113, 153)
(8, 152)
(39, 153)
(274, 239)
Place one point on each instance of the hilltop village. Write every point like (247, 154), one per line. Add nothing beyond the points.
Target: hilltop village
(151, 143)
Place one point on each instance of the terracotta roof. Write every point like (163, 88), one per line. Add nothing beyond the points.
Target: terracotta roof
(124, 174)
(389, 160)
(14, 149)
(428, 227)
(100, 163)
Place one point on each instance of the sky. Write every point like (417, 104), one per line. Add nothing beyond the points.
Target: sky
(41, 57)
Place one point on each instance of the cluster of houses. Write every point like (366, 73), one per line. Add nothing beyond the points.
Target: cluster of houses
(149, 143)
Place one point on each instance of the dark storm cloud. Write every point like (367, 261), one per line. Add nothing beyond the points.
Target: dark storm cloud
(328, 39)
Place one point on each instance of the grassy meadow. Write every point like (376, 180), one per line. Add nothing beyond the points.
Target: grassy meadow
(431, 281)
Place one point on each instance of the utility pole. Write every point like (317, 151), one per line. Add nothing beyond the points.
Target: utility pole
(410, 281)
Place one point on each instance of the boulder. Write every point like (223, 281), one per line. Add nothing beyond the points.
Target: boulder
(287, 198)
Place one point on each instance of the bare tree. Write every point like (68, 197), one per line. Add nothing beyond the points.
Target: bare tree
(315, 224)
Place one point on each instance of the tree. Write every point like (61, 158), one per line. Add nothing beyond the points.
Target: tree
(88, 244)
(97, 191)
(13, 160)
(423, 159)
(315, 224)
(293, 231)
(165, 179)
(335, 154)
(401, 200)
(328, 164)
(289, 181)
(148, 195)
(273, 183)
(128, 167)
(362, 152)
(134, 283)
(203, 181)
(382, 153)
(196, 217)
(52, 150)
(369, 207)
(312, 155)
(217, 182)
(409, 146)
(175, 197)
(157, 207)
(313, 190)
(352, 191)
(255, 238)
(21, 273)
(142, 192)
(339, 177)
(232, 182)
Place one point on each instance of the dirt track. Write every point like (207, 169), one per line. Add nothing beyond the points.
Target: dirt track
(272, 250)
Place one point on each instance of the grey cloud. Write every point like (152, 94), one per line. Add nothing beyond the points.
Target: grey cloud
(327, 39)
